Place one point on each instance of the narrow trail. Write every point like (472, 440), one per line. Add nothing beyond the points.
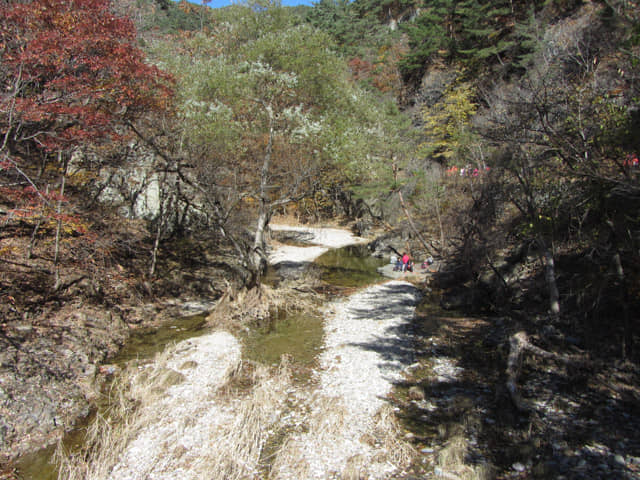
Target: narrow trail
(367, 346)
(344, 426)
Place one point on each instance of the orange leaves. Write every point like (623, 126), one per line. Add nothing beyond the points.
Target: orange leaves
(32, 207)
(360, 69)
(382, 72)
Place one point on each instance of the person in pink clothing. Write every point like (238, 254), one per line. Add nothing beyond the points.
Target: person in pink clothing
(405, 262)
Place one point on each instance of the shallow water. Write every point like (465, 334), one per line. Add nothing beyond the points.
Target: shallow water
(350, 266)
(144, 344)
(141, 347)
(297, 334)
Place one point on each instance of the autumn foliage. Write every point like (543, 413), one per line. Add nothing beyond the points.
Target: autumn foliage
(71, 74)
(70, 71)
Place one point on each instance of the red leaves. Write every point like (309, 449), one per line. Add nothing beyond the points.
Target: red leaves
(70, 74)
(360, 69)
(73, 71)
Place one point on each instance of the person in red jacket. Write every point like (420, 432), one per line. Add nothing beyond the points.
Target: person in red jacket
(405, 262)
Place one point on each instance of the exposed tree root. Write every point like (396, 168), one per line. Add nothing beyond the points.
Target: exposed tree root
(518, 345)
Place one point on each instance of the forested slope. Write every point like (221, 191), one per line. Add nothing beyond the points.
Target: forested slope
(526, 116)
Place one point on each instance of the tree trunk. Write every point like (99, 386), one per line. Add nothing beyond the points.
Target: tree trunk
(56, 255)
(154, 252)
(34, 234)
(550, 276)
(554, 296)
(518, 344)
(166, 205)
(258, 259)
(438, 216)
(627, 334)
(412, 225)
(258, 256)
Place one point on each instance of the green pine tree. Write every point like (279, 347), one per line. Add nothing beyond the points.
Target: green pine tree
(429, 35)
(482, 29)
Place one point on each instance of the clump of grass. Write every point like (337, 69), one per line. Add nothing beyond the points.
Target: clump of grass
(452, 461)
(394, 449)
(355, 469)
(327, 425)
(239, 444)
(115, 427)
(323, 425)
(452, 456)
(241, 309)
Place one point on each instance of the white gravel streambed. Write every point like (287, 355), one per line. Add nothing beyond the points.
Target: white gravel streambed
(367, 347)
(347, 431)
(322, 238)
(183, 422)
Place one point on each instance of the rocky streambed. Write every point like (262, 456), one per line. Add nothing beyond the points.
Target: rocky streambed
(334, 423)
(387, 391)
(188, 424)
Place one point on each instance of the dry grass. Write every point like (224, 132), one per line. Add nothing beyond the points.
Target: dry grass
(355, 469)
(289, 458)
(328, 420)
(324, 425)
(237, 308)
(235, 447)
(240, 444)
(240, 309)
(451, 461)
(327, 425)
(452, 456)
(113, 429)
(393, 449)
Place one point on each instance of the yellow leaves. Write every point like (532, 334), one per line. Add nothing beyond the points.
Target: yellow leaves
(66, 21)
(448, 122)
(7, 251)
(81, 177)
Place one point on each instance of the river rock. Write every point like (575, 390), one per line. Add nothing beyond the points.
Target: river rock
(416, 393)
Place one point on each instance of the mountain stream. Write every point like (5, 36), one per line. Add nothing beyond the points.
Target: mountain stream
(351, 350)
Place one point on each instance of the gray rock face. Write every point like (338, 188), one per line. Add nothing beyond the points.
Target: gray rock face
(47, 375)
(135, 191)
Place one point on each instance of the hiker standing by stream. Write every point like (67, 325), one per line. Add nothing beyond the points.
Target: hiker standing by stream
(406, 260)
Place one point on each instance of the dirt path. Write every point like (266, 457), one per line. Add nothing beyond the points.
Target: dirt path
(348, 430)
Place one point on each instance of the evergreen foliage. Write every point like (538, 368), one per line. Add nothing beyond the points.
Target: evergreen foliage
(469, 31)
(172, 19)
(429, 35)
